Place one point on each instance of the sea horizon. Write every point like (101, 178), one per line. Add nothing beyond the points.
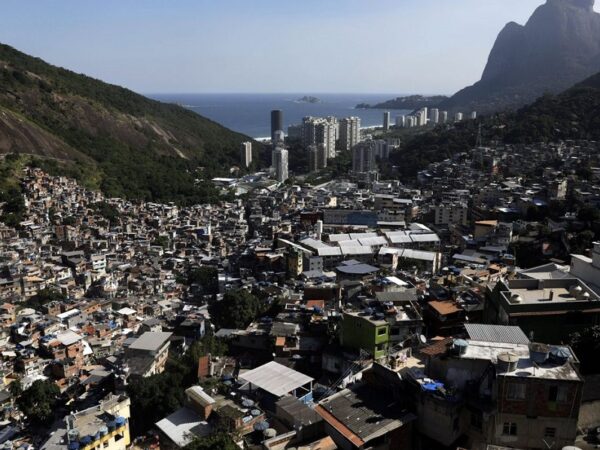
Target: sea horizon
(250, 113)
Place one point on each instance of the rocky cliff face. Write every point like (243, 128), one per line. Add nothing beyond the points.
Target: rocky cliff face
(558, 47)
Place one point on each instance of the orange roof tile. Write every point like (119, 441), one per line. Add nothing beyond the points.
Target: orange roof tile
(445, 307)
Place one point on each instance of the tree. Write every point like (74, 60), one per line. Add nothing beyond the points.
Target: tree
(588, 214)
(586, 345)
(38, 402)
(217, 441)
(237, 309)
(207, 277)
(44, 296)
(15, 388)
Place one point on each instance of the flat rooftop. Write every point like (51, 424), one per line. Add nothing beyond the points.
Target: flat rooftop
(150, 341)
(526, 368)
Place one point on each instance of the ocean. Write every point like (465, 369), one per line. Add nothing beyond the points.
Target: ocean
(250, 113)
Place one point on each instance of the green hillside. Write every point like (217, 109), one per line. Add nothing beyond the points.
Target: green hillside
(573, 114)
(134, 146)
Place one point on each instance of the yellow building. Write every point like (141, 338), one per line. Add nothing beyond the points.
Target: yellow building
(102, 427)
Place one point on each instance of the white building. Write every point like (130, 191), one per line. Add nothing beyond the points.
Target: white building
(401, 121)
(349, 132)
(246, 154)
(458, 117)
(443, 116)
(280, 163)
(434, 115)
(588, 269)
(319, 130)
(386, 120)
(451, 214)
(473, 115)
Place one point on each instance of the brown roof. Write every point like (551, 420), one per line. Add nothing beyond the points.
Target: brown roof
(315, 303)
(339, 426)
(445, 308)
(439, 348)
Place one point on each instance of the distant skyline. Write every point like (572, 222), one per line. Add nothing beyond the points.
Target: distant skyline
(266, 46)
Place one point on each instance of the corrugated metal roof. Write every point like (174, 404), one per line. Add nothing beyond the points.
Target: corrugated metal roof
(496, 333)
(275, 378)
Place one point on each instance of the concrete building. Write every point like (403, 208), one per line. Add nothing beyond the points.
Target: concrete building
(319, 130)
(105, 426)
(434, 116)
(317, 157)
(588, 269)
(349, 134)
(280, 163)
(363, 157)
(147, 355)
(547, 310)
(458, 117)
(443, 116)
(516, 395)
(246, 154)
(401, 121)
(451, 214)
(473, 115)
(276, 122)
(386, 120)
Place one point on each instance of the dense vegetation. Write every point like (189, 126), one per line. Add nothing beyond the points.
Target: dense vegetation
(109, 137)
(155, 397)
(237, 309)
(11, 198)
(408, 102)
(574, 114)
(38, 401)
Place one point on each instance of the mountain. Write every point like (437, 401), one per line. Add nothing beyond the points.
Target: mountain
(573, 114)
(558, 47)
(408, 102)
(107, 136)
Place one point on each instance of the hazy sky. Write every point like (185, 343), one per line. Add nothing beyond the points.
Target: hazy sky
(312, 46)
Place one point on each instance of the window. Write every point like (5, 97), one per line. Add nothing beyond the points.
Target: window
(515, 391)
(557, 394)
(550, 432)
(381, 331)
(509, 429)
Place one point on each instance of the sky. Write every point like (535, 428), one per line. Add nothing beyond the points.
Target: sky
(266, 46)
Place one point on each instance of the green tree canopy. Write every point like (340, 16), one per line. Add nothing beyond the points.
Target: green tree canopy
(38, 401)
(237, 309)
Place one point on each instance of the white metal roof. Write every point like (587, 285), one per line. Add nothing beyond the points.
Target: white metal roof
(275, 378)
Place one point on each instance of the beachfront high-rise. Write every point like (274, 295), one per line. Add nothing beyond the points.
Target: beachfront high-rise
(349, 132)
(276, 122)
(246, 154)
(320, 130)
(387, 117)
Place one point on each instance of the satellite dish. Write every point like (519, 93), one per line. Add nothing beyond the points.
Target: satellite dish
(423, 339)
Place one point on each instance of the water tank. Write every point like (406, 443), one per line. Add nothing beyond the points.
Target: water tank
(270, 433)
(539, 352)
(460, 346)
(507, 362)
(516, 298)
(559, 355)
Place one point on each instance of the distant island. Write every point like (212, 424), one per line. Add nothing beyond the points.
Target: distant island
(308, 99)
(408, 102)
